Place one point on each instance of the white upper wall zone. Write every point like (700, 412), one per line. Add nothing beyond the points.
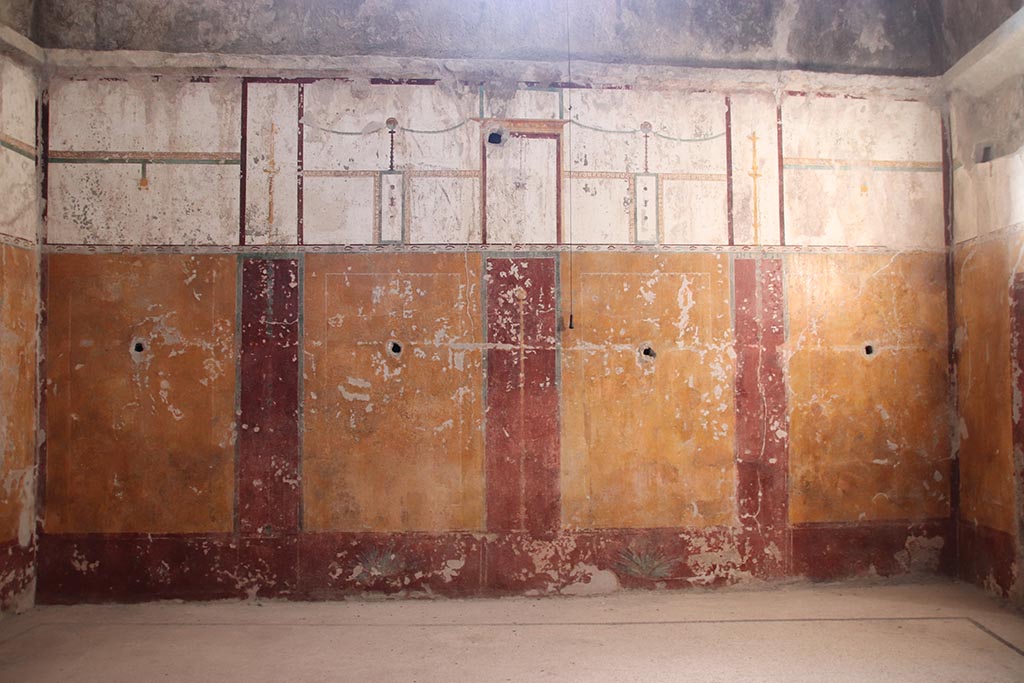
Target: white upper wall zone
(158, 161)
(861, 172)
(19, 208)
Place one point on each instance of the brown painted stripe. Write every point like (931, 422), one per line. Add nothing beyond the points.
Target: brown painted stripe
(268, 432)
(132, 157)
(522, 432)
(762, 442)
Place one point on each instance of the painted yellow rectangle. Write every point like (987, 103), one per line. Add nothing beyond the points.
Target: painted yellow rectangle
(393, 438)
(984, 383)
(140, 393)
(869, 427)
(647, 441)
(18, 299)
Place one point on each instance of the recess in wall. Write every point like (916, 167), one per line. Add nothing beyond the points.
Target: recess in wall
(869, 350)
(394, 348)
(983, 152)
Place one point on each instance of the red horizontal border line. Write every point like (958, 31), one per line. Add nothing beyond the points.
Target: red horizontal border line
(285, 81)
(404, 81)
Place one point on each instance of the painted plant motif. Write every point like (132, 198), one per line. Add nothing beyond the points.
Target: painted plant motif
(645, 563)
(379, 564)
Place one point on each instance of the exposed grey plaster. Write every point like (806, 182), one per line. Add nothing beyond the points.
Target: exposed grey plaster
(17, 14)
(996, 119)
(965, 23)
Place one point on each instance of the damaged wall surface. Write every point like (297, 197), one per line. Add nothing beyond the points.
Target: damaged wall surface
(19, 298)
(334, 340)
(988, 147)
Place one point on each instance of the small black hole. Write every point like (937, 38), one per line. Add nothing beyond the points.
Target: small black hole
(868, 350)
(395, 348)
(139, 348)
(649, 352)
(494, 138)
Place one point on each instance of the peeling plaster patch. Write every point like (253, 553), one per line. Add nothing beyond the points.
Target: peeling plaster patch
(595, 581)
(452, 568)
(82, 564)
(921, 554)
(352, 396)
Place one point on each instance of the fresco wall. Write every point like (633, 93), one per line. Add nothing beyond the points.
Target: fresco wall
(19, 287)
(444, 337)
(988, 146)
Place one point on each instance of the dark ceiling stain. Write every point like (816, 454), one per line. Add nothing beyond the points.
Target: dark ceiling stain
(905, 37)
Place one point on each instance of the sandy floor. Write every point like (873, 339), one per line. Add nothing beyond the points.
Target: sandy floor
(936, 631)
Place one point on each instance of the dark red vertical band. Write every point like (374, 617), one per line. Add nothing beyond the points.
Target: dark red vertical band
(1017, 373)
(728, 167)
(762, 445)
(522, 462)
(44, 298)
(782, 185)
(268, 429)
